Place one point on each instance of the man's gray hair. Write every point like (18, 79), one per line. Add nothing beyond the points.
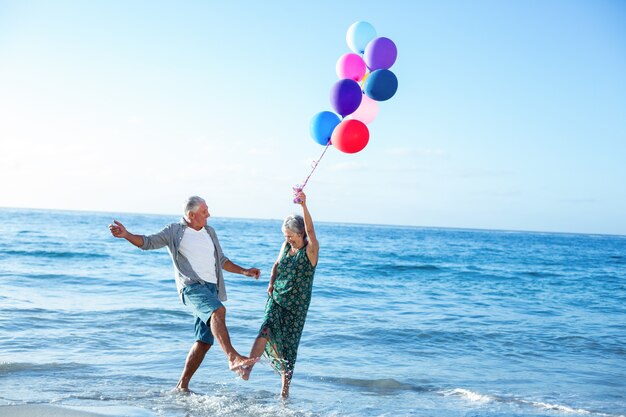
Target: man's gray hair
(295, 223)
(192, 204)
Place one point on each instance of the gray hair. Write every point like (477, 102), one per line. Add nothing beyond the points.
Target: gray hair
(295, 223)
(192, 204)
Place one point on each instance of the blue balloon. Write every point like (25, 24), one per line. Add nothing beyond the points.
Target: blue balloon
(346, 96)
(381, 85)
(322, 126)
(358, 36)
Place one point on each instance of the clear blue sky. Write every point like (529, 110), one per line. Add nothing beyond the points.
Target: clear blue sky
(509, 114)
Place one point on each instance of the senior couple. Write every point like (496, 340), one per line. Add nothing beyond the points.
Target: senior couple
(198, 263)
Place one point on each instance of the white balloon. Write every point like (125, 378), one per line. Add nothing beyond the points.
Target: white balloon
(359, 35)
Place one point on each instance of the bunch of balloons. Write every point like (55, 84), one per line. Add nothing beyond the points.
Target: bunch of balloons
(364, 80)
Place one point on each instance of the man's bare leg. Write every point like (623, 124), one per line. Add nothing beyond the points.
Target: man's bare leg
(255, 353)
(194, 359)
(219, 330)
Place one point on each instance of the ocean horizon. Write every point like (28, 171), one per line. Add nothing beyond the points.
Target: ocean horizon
(178, 216)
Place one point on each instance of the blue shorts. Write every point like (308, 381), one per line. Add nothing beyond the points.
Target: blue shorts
(202, 300)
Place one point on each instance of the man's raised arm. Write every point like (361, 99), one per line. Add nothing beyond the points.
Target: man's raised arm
(118, 230)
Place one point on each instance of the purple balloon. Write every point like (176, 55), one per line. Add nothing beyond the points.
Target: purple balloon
(381, 53)
(346, 96)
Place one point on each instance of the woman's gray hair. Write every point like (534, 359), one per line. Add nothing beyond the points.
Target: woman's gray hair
(295, 223)
(192, 204)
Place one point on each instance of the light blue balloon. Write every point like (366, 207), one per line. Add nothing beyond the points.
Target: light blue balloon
(322, 126)
(359, 35)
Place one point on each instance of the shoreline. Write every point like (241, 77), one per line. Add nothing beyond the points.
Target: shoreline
(48, 410)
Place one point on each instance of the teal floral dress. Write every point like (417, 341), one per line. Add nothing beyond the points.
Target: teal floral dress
(286, 309)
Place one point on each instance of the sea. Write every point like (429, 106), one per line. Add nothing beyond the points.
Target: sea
(404, 321)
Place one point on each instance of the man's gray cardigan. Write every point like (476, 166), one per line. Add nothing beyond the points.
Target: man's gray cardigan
(170, 236)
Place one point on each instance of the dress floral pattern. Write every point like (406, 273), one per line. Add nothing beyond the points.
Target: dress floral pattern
(286, 309)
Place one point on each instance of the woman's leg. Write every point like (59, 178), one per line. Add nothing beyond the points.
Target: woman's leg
(286, 383)
(257, 350)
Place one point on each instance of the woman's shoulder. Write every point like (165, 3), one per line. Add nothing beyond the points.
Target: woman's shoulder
(306, 254)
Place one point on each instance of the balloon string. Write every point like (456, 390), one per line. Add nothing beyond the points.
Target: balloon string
(314, 165)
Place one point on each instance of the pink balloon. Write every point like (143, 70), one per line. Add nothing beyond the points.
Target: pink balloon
(367, 111)
(350, 66)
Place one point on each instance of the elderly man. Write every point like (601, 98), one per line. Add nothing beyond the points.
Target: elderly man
(198, 263)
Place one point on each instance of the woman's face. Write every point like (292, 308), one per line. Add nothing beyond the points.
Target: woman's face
(294, 239)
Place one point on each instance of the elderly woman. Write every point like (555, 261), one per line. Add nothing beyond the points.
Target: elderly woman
(289, 292)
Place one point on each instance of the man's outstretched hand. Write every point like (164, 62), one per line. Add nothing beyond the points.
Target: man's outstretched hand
(252, 272)
(117, 229)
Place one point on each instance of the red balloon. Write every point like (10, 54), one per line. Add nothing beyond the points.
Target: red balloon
(350, 136)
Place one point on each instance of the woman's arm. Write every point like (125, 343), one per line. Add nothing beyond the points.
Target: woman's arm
(270, 286)
(312, 249)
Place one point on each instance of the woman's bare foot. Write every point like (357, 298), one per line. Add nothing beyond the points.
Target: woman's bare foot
(244, 372)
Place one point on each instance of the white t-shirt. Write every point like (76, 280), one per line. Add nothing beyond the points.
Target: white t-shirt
(199, 250)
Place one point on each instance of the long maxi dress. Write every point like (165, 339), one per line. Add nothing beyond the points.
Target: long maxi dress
(286, 309)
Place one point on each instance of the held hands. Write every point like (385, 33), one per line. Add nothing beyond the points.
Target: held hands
(117, 229)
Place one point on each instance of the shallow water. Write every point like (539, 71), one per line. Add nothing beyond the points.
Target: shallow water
(403, 321)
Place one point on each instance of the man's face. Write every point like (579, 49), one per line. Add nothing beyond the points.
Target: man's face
(198, 219)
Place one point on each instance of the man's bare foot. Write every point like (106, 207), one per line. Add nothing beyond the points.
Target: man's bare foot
(181, 390)
(241, 361)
